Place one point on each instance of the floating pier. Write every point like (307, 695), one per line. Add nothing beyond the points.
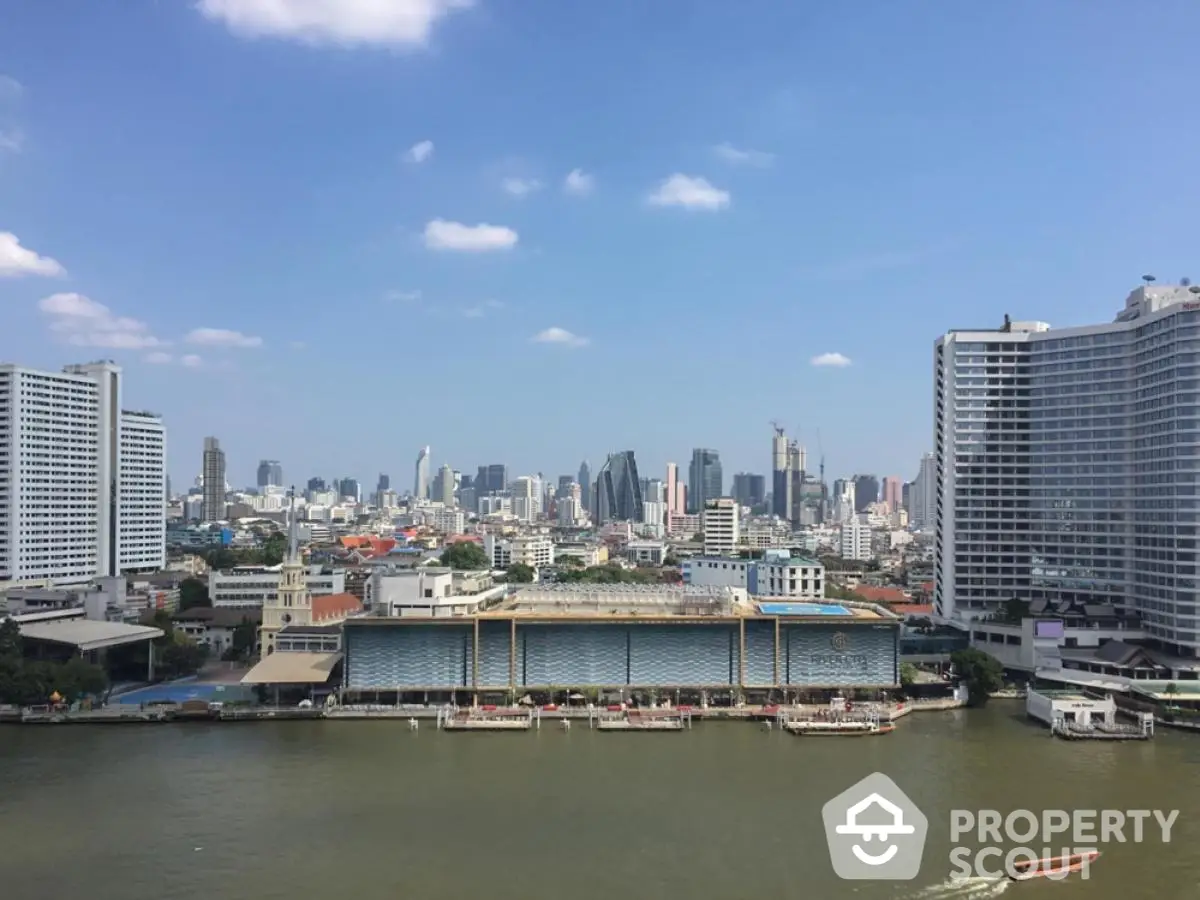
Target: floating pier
(1079, 716)
(614, 718)
(489, 718)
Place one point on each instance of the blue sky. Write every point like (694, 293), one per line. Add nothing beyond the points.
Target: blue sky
(762, 184)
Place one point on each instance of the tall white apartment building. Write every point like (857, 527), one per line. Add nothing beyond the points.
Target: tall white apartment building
(82, 482)
(719, 522)
(1067, 465)
(854, 541)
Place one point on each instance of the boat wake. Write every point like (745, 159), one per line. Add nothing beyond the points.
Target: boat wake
(964, 889)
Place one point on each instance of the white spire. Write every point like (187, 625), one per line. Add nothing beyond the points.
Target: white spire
(293, 540)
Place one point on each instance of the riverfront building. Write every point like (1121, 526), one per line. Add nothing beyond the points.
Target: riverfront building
(82, 480)
(621, 637)
(1067, 467)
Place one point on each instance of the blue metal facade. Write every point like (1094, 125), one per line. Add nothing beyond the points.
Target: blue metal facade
(415, 654)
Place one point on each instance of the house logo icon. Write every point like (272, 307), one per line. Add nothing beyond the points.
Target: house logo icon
(875, 832)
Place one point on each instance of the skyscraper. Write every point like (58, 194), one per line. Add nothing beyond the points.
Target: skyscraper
(674, 494)
(1066, 465)
(316, 484)
(749, 489)
(866, 492)
(618, 490)
(446, 486)
(585, 482)
(82, 481)
(705, 481)
(781, 482)
(270, 474)
(384, 484)
(491, 479)
(922, 495)
(421, 481)
(891, 492)
(350, 489)
(213, 475)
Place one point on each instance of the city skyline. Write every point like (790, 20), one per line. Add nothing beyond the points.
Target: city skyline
(861, 211)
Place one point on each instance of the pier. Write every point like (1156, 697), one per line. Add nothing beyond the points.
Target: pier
(489, 718)
(614, 718)
(1080, 716)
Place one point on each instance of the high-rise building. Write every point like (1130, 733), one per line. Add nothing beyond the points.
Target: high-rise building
(617, 494)
(446, 485)
(866, 492)
(421, 480)
(922, 494)
(781, 482)
(315, 485)
(384, 483)
(585, 482)
(350, 489)
(491, 479)
(213, 480)
(82, 481)
(1066, 465)
(890, 492)
(675, 502)
(704, 478)
(270, 474)
(748, 489)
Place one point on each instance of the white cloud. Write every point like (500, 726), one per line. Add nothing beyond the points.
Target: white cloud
(561, 336)
(837, 360)
(418, 153)
(521, 187)
(402, 296)
(83, 322)
(479, 310)
(221, 337)
(579, 183)
(689, 193)
(16, 260)
(739, 157)
(192, 361)
(347, 23)
(443, 235)
(159, 358)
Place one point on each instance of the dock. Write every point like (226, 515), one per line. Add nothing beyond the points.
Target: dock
(489, 718)
(617, 719)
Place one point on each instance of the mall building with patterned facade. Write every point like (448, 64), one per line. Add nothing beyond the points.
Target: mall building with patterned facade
(712, 640)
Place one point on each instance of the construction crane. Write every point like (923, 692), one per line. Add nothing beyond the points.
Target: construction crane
(778, 428)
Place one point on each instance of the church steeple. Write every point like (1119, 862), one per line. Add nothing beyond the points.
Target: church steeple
(292, 605)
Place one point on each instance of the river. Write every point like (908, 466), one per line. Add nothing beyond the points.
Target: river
(372, 810)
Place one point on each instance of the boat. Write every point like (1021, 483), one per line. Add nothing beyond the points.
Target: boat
(1052, 867)
(840, 729)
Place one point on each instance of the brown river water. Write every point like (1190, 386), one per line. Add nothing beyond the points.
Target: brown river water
(367, 810)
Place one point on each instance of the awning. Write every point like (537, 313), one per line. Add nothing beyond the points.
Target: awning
(285, 667)
(86, 634)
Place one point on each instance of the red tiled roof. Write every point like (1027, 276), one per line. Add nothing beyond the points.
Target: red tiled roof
(332, 606)
(464, 538)
(913, 609)
(881, 594)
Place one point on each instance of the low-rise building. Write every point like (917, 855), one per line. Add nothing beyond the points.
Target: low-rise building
(588, 554)
(646, 553)
(854, 541)
(531, 550)
(777, 574)
(720, 526)
(249, 587)
(429, 592)
(214, 628)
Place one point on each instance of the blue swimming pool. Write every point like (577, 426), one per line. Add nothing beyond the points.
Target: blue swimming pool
(802, 609)
(178, 692)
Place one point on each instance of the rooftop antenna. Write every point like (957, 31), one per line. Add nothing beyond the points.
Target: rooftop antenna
(1007, 323)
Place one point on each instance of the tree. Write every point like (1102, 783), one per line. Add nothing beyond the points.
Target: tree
(274, 549)
(572, 562)
(1014, 610)
(671, 560)
(10, 639)
(193, 593)
(1171, 690)
(220, 558)
(465, 555)
(245, 637)
(908, 674)
(519, 573)
(981, 672)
